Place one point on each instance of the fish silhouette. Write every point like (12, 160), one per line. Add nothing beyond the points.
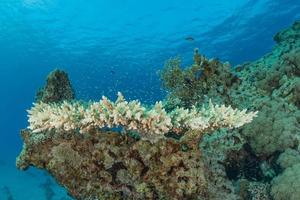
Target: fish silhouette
(189, 38)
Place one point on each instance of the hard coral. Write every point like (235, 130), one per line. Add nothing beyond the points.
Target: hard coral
(72, 141)
(107, 165)
(151, 124)
(254, 190)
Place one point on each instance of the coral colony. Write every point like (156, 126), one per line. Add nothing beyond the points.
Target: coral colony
(193, 145)
(154, 122)
(51, 123)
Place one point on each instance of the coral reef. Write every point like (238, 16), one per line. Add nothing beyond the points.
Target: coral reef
(214, 149)
(74, 142)
(57, 88)
(166, 151)
(286, 185)
(107, 165)
(270, 85)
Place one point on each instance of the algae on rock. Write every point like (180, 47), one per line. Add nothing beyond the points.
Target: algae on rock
(57, 88)
(204, 80)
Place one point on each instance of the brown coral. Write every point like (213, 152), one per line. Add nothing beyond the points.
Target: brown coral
(107, 165)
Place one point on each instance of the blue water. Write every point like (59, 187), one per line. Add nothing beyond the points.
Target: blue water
(114, 45)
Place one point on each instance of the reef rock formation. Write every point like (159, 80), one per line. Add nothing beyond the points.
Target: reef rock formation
(74, 141)
(107, 165)
(57, 88)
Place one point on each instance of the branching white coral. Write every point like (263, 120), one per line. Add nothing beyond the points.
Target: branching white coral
(133, 116)
(211, 117)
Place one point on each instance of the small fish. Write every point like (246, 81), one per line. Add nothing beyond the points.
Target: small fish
(189, 38)
(112, 72)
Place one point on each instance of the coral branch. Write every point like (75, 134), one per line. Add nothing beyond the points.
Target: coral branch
(68, 116)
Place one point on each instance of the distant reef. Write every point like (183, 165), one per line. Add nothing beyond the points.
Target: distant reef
(186, 147)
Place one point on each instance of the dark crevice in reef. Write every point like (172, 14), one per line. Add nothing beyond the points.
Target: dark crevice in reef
(114, 170)
(243, 163)
(144, 171)
(135, 154)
